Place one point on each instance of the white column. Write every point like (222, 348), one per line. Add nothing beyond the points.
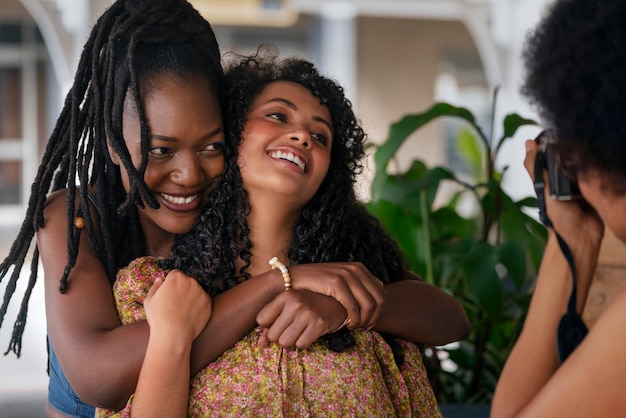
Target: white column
(57, 39)
(338, 44)
(30, 125)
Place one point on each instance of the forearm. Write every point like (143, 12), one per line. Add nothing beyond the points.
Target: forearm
(533, 360)
(234, 316)
(177, 309)
(103, 366)
(422, 313)
(163, 387)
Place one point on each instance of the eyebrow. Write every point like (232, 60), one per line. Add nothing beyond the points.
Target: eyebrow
(294, 107)
(166, 138)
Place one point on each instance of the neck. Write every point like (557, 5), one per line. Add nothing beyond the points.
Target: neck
(271, 225)
(158, 243)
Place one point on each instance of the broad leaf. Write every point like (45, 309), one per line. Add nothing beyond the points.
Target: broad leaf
(511, 255)
(483, 280)
(512, 122)
(471, 151)
(401, 130)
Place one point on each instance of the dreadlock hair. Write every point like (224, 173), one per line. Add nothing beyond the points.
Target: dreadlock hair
(131, 43)
(219, 237)
(575, 61)
(334, 225)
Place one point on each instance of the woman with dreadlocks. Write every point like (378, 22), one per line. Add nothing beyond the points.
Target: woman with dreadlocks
(300, 151)
(141, 132)
(149, 77)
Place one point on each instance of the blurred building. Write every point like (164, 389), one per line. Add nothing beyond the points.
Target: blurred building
(393, 57)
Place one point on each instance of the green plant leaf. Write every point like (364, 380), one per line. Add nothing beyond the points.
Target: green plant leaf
(483, 280)
(487, 260)
(449, 225)
(469, 148)
(517, 226)
(511, 255)
(449, 257)
(404, 190)
(462, 357)
(528, 202)
(401, 130)
(512, 122)
(407, 230)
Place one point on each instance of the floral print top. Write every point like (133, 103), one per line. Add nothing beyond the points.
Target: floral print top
(249, 380)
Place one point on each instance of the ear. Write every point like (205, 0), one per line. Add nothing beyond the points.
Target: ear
(113, 154)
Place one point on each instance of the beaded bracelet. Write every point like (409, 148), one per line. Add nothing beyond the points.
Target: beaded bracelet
(283, 270)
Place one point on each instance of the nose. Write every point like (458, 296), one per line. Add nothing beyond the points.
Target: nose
(189, 172)
(302, 136)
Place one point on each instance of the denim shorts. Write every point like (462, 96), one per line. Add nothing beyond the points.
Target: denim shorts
(61, 396)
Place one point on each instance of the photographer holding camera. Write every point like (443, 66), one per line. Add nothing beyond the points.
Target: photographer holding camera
(576, 67)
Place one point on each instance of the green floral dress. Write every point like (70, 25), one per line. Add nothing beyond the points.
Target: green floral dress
(249, 380)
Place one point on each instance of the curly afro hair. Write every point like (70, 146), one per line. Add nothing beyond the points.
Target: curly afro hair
(334, 225)
(576, 61)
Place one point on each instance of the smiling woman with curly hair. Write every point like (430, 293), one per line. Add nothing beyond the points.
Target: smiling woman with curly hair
(300, 147)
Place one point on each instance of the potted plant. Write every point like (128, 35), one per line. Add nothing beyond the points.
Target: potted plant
(487, 260)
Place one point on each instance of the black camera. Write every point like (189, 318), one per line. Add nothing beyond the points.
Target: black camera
(562, 187)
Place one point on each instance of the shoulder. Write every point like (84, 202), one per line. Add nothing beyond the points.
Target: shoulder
(56, 203)
(55, 215)
(55, 211)
(53, 236)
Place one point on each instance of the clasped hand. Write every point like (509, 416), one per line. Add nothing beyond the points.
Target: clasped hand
(323, 295)
(177, 307)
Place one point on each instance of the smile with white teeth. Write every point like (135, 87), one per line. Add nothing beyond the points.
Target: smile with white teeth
(179, 200)
(288, 156)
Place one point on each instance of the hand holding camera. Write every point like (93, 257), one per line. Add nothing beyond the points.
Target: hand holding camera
(561, 186)
(561, 206)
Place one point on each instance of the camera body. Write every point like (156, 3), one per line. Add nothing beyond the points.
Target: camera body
(561, 186)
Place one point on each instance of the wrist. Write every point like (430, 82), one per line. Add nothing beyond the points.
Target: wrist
(272, 283)
(343, 325)
(277, 265)
(170, 344)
